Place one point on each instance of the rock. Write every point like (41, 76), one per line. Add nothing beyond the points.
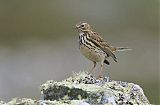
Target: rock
(27, 101)
(82, 86)
(84, 89)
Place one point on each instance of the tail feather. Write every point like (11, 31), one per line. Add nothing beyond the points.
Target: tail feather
(120, 49)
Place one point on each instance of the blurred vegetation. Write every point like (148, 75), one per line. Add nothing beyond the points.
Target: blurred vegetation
(37, 42)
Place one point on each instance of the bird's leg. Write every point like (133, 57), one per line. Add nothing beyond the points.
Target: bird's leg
(101, 71)
(94, 65)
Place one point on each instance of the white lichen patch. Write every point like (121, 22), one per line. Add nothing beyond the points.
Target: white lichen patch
(26, 101)
(2, 103)
(63, 102)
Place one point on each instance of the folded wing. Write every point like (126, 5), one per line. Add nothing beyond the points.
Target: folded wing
(98, 41)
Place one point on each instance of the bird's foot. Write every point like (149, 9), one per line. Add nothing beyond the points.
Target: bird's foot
(100, 77)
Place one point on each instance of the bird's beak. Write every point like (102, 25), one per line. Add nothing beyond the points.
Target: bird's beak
(74, 28)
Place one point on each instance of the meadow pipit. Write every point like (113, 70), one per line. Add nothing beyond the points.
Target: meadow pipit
(94, 47)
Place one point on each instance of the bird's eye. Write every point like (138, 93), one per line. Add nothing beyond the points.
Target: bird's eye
(82, 25)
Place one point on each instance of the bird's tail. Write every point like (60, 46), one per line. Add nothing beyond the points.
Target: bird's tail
(122, 49)
(114, 49)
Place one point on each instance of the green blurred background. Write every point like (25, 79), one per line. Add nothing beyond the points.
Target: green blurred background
(37, 42)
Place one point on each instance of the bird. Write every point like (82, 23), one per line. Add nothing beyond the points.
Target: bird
(94, 47)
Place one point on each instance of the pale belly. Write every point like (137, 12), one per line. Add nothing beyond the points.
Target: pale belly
(94, 55)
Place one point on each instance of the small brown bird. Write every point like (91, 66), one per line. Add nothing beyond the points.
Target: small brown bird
(94, 47)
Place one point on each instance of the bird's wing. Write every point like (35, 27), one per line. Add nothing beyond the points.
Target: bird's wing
(101, 43)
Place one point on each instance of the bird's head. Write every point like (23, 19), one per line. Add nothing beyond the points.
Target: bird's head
(83, 27)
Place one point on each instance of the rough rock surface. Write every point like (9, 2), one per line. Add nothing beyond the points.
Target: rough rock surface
(94, 91)
(84, 89)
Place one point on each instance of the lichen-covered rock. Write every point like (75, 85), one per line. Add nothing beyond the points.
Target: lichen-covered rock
(23, 101)
(2, 102)
(27, 101)
(87, 88)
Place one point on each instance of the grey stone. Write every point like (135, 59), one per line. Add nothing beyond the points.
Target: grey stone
(82, 86)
